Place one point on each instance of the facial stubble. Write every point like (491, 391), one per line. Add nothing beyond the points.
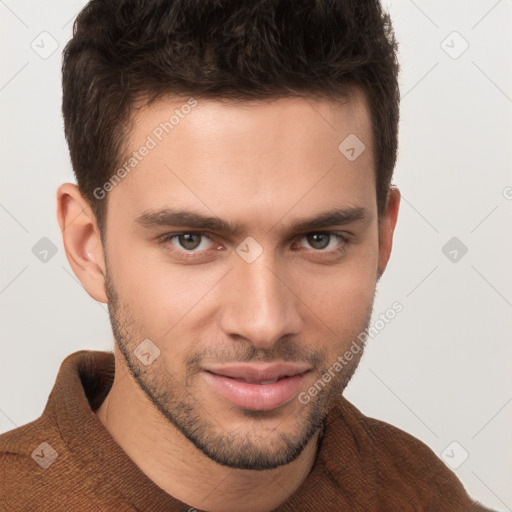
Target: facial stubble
(256, 447)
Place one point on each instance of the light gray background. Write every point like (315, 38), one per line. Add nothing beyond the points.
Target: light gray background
(441, 370)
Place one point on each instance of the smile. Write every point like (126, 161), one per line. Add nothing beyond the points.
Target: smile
(257, 387)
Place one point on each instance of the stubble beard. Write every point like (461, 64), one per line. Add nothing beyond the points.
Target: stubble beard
(256, 448)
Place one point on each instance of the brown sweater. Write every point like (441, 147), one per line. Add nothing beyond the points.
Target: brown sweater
(67, 461)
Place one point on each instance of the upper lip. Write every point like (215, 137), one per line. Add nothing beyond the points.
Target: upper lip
(258, 372)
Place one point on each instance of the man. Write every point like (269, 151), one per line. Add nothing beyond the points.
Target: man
(235, 212)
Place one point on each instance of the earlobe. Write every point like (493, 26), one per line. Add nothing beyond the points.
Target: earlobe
(81, 240)
(387, 228)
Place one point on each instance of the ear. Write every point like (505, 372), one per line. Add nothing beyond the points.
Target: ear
(387, 228)
(81, 239)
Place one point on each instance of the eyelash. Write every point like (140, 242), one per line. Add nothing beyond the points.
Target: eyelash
(166, 239)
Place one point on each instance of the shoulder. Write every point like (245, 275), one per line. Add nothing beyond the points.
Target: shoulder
(19, 442)
(409, 471)
(36, 467)
(26, 452)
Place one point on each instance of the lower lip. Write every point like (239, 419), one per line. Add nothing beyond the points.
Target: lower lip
(256, 397)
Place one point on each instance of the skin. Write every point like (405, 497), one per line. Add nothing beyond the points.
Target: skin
(295, 302)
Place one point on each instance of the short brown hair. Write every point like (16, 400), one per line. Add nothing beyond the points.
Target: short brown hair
(123, 51)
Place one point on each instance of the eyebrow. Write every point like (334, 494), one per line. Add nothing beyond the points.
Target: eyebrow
(175, 218)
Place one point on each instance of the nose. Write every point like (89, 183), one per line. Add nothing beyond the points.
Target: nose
(259, 303)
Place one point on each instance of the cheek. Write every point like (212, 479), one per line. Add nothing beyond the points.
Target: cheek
(163, 298)
(342, 300)
(344, 306)
(356, 285)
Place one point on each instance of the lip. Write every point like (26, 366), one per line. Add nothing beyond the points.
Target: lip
(258, 371)
(230, 381)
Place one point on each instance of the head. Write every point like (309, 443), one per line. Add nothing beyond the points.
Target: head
(233, 205)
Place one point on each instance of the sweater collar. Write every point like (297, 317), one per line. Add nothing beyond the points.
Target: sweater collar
(340, 469)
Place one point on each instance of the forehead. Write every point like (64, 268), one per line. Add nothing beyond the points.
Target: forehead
(206, 117)
(263, 157)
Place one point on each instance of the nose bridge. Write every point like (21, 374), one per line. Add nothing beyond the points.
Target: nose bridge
(259, 304)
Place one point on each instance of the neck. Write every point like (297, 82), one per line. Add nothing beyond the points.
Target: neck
(178, 467)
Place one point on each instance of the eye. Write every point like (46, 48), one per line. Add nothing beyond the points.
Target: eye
(321, 240)
(187, 242)
(192, 245)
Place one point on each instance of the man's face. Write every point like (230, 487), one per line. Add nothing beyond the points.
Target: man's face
(232, 311)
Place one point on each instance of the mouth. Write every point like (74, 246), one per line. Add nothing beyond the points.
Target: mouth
(257, 387)
(262, 382)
